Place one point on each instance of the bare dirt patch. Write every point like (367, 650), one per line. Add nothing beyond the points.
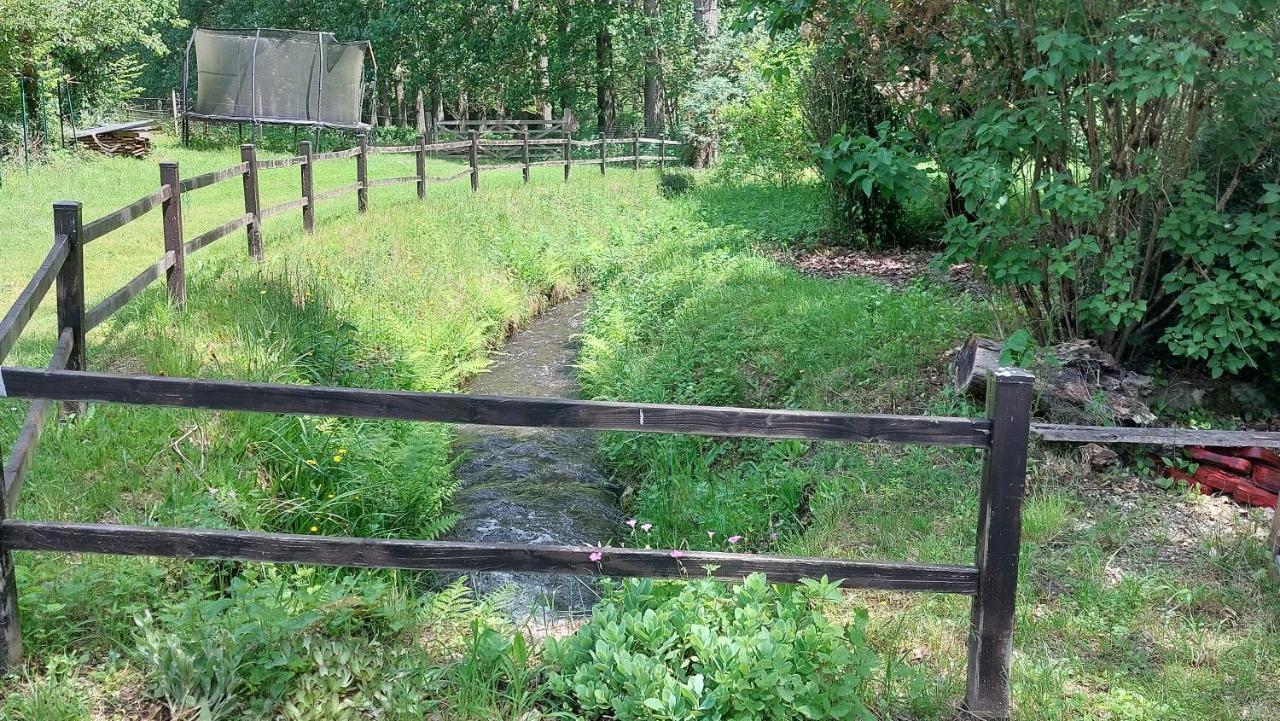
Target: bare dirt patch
(897, 268)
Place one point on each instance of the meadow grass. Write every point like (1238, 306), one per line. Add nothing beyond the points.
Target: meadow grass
(1121, 613)
(411, 295)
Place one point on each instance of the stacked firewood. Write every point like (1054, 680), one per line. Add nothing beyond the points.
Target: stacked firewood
(1249, 475)
(130, 140)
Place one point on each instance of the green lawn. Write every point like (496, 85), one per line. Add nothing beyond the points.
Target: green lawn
(1118, 618)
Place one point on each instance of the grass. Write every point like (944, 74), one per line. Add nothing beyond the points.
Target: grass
(1121, 615)
(412, 295)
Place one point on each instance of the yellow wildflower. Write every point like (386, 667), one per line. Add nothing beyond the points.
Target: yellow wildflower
(337, 459)
(315, 529)
(311, 461)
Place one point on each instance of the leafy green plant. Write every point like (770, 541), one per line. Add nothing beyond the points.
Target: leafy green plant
(704, 650)
(49, 699)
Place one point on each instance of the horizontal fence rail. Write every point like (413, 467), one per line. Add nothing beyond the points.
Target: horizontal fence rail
(117, 300)
(13, 323)
(492, 410)
(123, 216)
(217, 176)
(474, 557)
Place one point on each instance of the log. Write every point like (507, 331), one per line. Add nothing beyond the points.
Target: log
(1071, 380)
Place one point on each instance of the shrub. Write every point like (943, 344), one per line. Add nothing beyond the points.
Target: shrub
(706, 651)
(765, 136)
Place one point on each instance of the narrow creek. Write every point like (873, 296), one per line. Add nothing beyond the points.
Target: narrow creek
(534, 485)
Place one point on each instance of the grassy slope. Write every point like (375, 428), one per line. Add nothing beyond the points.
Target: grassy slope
(410, 296)
(1113, 623)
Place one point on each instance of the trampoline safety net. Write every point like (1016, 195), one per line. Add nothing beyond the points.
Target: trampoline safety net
(278, 76)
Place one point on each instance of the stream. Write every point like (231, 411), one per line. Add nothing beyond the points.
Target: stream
(534, 485)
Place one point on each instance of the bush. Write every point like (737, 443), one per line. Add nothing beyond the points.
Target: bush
(765, 137)
(707, 651)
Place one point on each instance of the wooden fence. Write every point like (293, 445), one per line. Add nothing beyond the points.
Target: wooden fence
(1002, 434)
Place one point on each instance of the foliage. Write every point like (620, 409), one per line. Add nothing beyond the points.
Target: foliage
(1107, 161)
(52, 698)
(764, 133)
(706, 651)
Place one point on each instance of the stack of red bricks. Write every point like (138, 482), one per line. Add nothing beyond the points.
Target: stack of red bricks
(1249, 475)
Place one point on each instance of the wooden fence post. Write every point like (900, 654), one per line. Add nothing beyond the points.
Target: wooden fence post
(68, 222)
(362, 173)
(473, 154)
(10, 628)
(171, 210)
(603, 152)
(307, 176)
(662, 153)
(568, 154)
(252, 201)
(1004, 473)
(421, 161)
(635, 152)
(524, 149)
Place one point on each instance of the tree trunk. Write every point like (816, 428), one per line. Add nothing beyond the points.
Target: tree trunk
(705, 145)
(652, 88)
(401, 106)
(544, 78)
(606, 93)
(420, 113)
(569, 82)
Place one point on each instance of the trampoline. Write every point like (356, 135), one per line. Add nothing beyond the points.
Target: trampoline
(276, 77)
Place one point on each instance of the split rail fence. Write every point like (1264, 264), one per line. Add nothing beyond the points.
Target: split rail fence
(1003, 434)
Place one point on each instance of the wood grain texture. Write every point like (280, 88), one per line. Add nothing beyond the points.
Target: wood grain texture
(285, 207)
(306, 176)
(1155, 436)
(453, 145)
(209, 236)
(379, 182)
(494, 410)
(336, 154)
(450, 556)
(217, 176)
(171, 222)
(281, 163)
(19, 461)
(117, 300)
(15, 321)
(450, 178)
(392, 149)
(252, 202)
(69, 288)
(362, 173)
(129, 213)
(337, 192)
(999, 541)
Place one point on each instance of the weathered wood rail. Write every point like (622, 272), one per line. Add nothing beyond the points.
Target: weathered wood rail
(1003, 434)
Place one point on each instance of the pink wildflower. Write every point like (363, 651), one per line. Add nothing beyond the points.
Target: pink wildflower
(646, 527)
(596, 556)
(631, 522)
(677, 553)
(734, 539)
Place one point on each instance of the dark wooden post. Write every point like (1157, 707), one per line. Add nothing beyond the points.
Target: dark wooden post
(603, 152)
(662, 153)
(10, 628)
(524, 150)
(473, 154)
(68, 222)
(568, 154)
(421, 159)
(252, 201)
(1275, 546)
(171, 211)
(362, 173)
(1004, 473)
(308, 187)
(635, 151)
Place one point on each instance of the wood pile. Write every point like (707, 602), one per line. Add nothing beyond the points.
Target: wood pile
(1076, 382)
(130, 140)
(1249, 475)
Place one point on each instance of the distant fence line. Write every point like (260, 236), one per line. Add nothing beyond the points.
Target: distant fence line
(1002, 434)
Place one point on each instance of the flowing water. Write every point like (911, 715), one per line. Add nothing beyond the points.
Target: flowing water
(534, 485)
